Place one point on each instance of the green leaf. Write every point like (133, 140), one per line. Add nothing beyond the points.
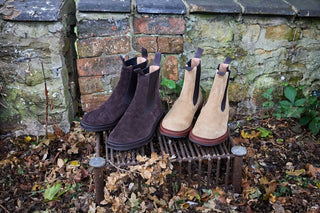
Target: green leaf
(168, 83)
(305, 120)
(264, 132)
(290, 93)
(51, 191)
(285, 104)
(300, 102)
(314, 125)
(293, 112)
(268, 104)
(268, 94)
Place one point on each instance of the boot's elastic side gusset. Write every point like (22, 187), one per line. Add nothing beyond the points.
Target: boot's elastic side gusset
(179, 120)
(109, 113)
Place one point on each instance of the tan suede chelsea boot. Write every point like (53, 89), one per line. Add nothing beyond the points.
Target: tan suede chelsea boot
(211, 127)
(179, 120)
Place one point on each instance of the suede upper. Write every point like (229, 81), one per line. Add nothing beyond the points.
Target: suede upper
(108, 114)
(178, 121)
(140, 120)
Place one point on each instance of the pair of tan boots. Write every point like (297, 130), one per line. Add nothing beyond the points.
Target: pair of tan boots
(211, 126)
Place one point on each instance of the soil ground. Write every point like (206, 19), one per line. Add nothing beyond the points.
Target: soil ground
(281, 173)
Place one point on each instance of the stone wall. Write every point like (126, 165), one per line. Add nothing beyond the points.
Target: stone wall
(31, 35)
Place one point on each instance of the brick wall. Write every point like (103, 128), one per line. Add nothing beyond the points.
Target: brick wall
(99, 49)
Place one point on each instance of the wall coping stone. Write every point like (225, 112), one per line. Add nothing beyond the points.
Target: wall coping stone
(31, 10)
(123, 6)
(164, 7)
(50, 10)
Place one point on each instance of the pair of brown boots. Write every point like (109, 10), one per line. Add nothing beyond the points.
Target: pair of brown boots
(134, 109)
(211, 126)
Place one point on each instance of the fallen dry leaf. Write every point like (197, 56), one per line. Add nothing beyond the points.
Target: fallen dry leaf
(313, 171)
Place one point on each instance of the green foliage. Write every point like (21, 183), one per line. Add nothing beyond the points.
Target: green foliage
(268, 95)
(296, 105)
(51, 193)
(264, 132)
(171, 85)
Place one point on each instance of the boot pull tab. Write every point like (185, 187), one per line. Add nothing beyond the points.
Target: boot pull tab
(224, 67)
(198, 53)
(122, 59)
(144, 53)
(157, 59)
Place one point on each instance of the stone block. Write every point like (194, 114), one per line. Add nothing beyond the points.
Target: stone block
(117, 45)
(91, 47)
(237, 92)
(104, 27)
(90, 85)
(169, 68)
(93, 101)
(282, 32)
(99, 66)
(159, 25)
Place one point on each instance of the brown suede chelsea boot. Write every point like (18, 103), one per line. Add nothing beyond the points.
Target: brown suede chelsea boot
(108, 114)
(211, 127)
(179, 120)
(138, 124)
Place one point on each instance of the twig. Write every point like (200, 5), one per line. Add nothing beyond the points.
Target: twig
(47, 99)
(4, 208)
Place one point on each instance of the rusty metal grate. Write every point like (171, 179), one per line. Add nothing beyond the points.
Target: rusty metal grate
(193, 164)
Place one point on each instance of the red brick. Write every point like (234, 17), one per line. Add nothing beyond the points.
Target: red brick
(160, 44)
(89, 85)
(91, 47)
(149, 42)
(116, 45)
(159, 25)
(170, 68)
(99, 66)
(170, 44)
(92, 101)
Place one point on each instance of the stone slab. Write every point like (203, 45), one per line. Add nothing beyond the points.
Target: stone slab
(217, 6)
(163, 7)
(123, 6)
(263, 7)
(306, 8)
(33, 10)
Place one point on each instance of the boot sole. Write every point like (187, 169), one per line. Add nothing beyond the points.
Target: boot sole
(135, 144)
(174, 134)
(208, 142)
(98, 128)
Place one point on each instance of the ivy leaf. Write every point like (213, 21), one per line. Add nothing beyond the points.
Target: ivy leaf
(290, 93)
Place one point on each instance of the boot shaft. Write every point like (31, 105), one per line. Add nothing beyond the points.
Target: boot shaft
(191, 85)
